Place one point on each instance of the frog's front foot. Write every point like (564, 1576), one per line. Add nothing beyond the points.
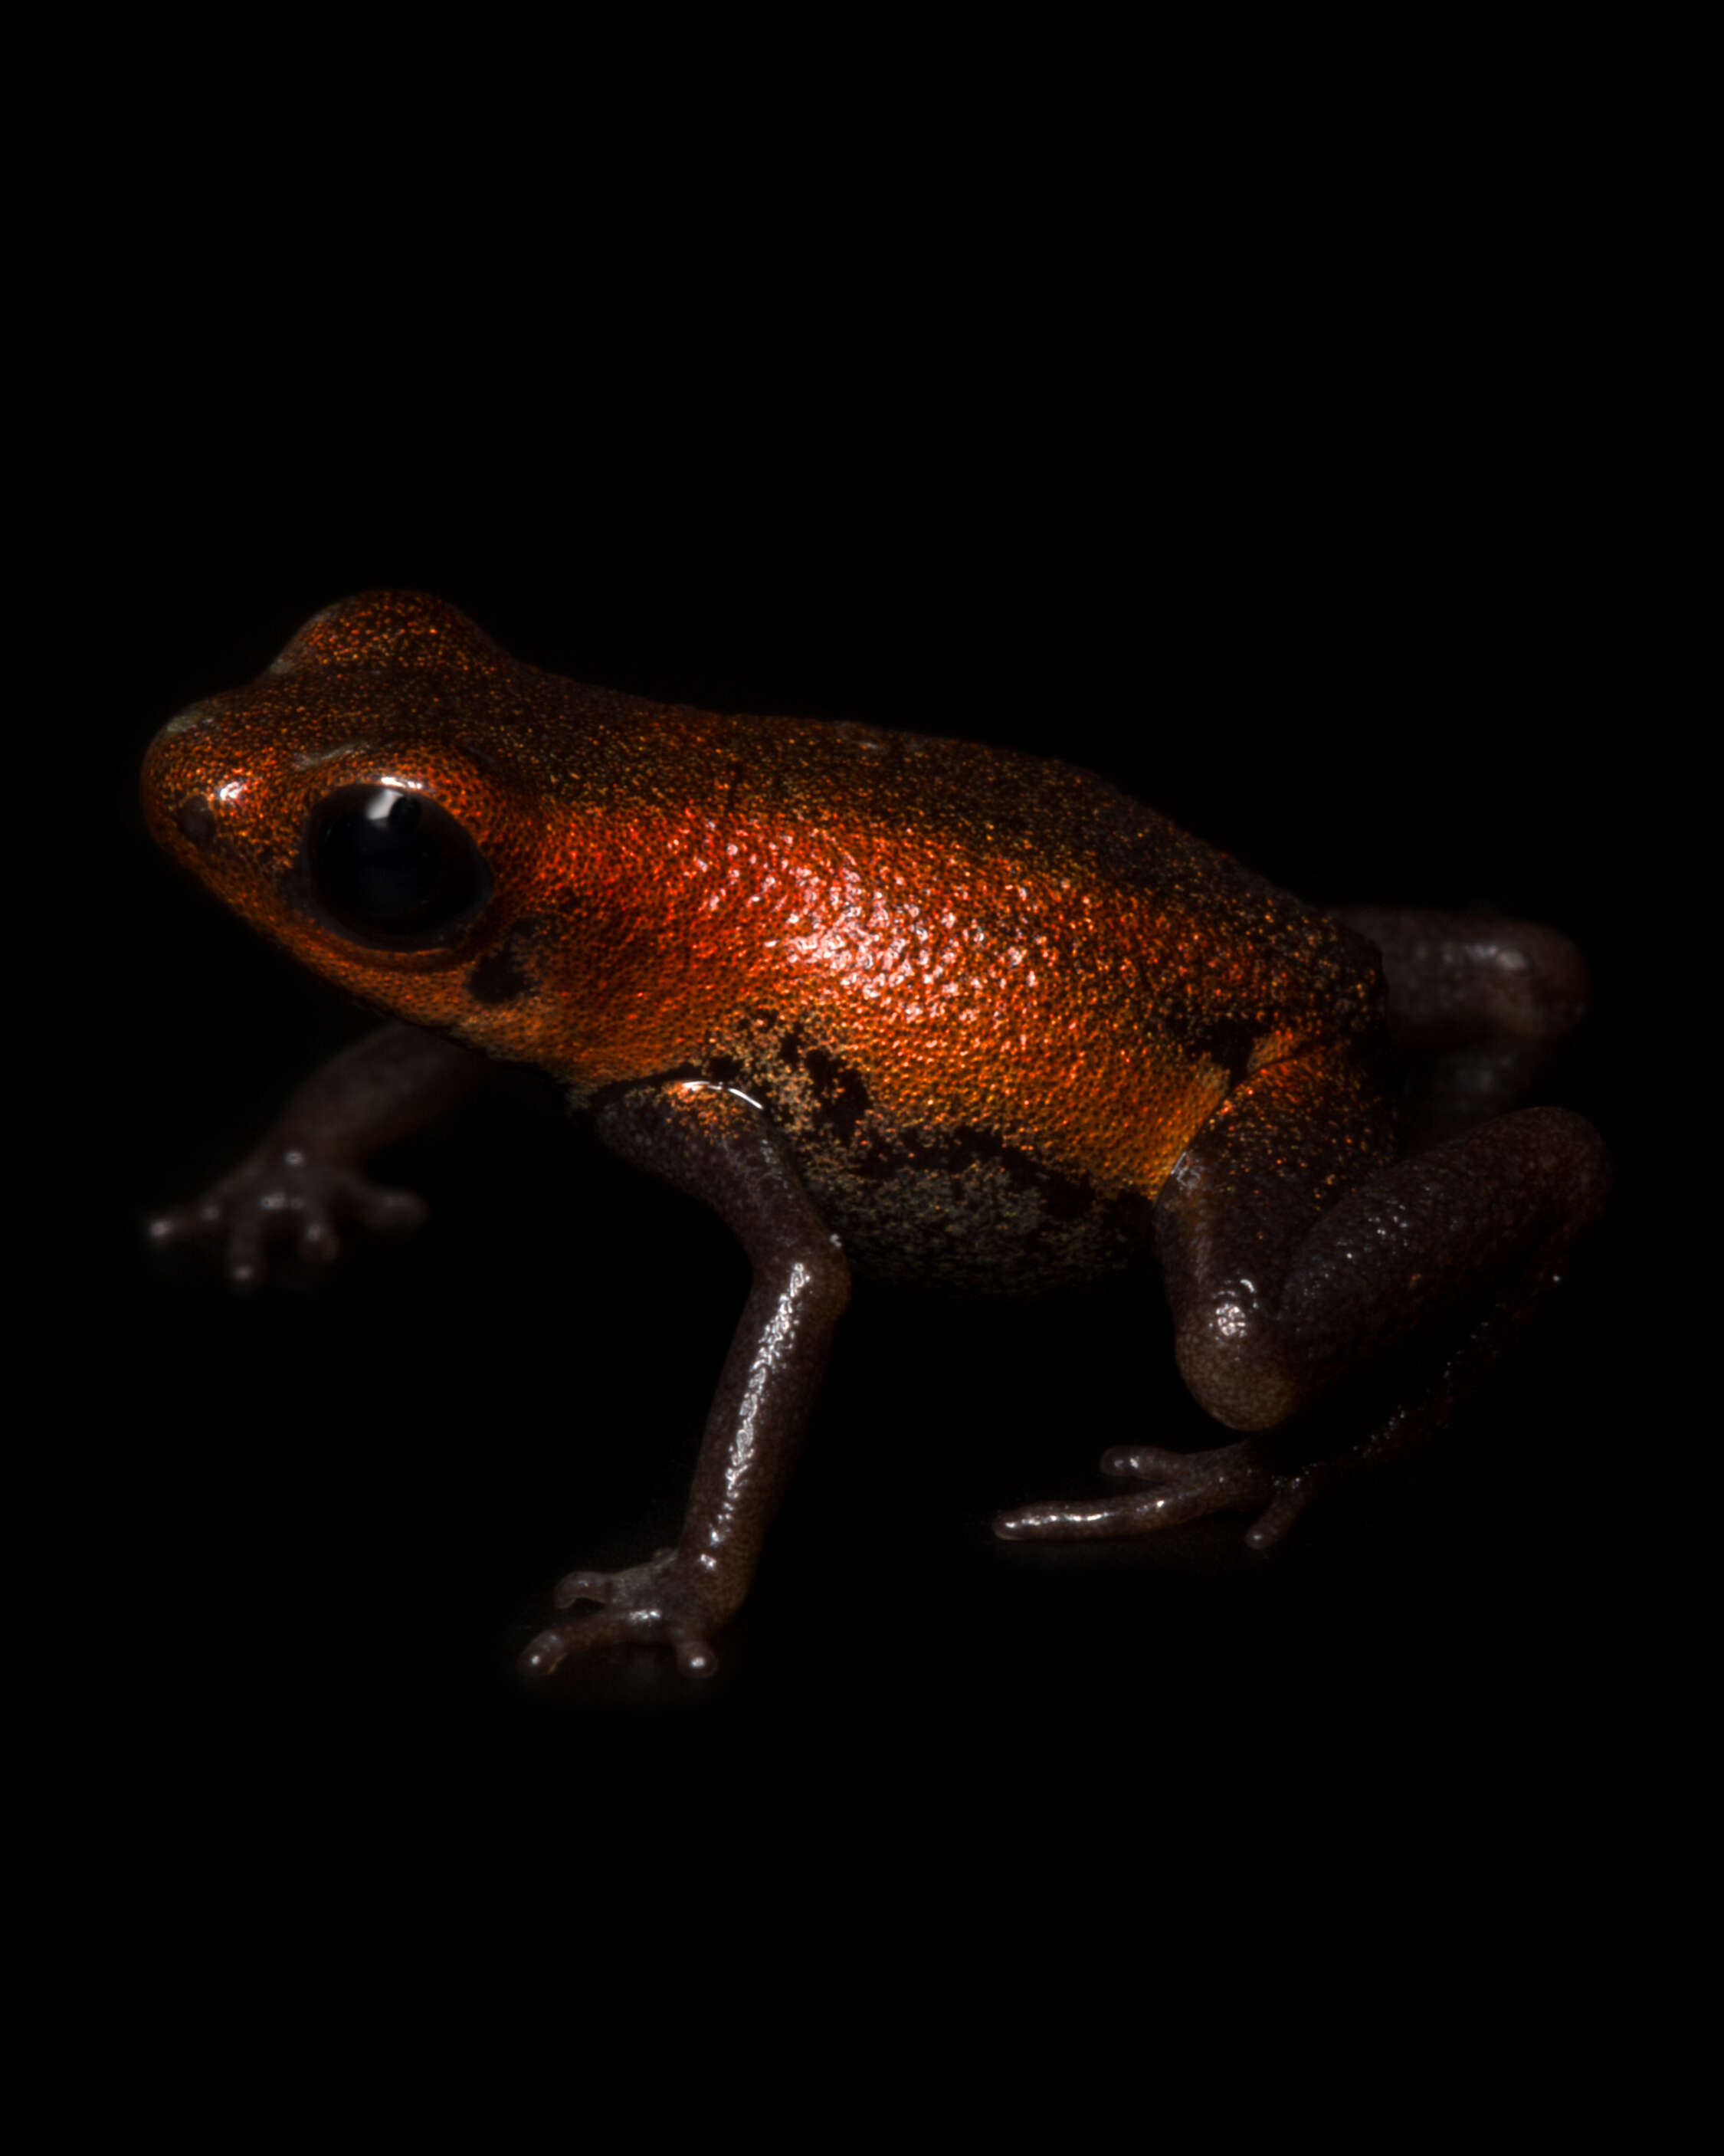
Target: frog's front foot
(280, 1198)
(1183, 1485)
(660, 1601)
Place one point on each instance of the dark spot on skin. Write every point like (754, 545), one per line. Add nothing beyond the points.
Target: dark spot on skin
(496, 979)
(966, 1211)
(723, 1070)
(847, 1109)
(790, 1051)
(843, 1096)
(195, 822)
(500, 976)
(1229, 1042)
(1063, 1197)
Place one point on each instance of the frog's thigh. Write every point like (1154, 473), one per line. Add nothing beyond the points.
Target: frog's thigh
(1297, 1252)
(1477, 1005)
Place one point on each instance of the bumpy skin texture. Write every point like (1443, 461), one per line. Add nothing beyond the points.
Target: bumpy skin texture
(940, 1013)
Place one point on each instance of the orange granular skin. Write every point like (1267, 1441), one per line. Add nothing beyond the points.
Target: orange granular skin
(985, 940)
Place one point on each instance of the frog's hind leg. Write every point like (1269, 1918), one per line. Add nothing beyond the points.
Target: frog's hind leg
(1477, 1006)
(1298, 1253)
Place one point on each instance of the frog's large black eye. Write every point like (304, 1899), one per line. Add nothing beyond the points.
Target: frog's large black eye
(393, 868)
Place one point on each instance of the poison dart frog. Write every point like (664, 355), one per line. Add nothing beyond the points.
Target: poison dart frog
(898, 1007)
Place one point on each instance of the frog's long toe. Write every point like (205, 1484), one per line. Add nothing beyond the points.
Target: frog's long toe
(611, 1628)
(1184, 1486)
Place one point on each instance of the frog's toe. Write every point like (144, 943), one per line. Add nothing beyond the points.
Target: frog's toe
(615, 1626)
(1293, 1493)
(542, 1653)
(179, 1224)
(581, 1587)
(695, 1656)
(596, 1628)
(1100, 1519)
(202, 1221)
(1184, 1486)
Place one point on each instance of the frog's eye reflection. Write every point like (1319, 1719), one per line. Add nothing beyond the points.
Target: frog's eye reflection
(393, 868)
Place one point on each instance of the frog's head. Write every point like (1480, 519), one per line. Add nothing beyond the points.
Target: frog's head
(363, 802)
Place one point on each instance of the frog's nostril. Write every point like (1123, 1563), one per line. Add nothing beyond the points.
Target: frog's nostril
(195, 822)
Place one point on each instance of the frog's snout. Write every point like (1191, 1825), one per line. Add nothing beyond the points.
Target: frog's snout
(182, 796)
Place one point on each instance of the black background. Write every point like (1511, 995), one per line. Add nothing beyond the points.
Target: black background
(1366, 636)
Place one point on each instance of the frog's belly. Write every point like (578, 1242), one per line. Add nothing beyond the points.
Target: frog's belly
(970, 1215)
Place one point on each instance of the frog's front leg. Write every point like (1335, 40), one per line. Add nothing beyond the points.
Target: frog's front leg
(718, 1146)
(304, 1179)
(1297, 1252)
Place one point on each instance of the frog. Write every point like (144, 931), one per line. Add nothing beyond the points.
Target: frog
(894, 1007)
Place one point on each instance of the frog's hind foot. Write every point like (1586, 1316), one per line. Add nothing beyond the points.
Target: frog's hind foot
(1183, 1485)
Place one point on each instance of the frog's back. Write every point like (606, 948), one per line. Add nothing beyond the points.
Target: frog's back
(907, 790)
